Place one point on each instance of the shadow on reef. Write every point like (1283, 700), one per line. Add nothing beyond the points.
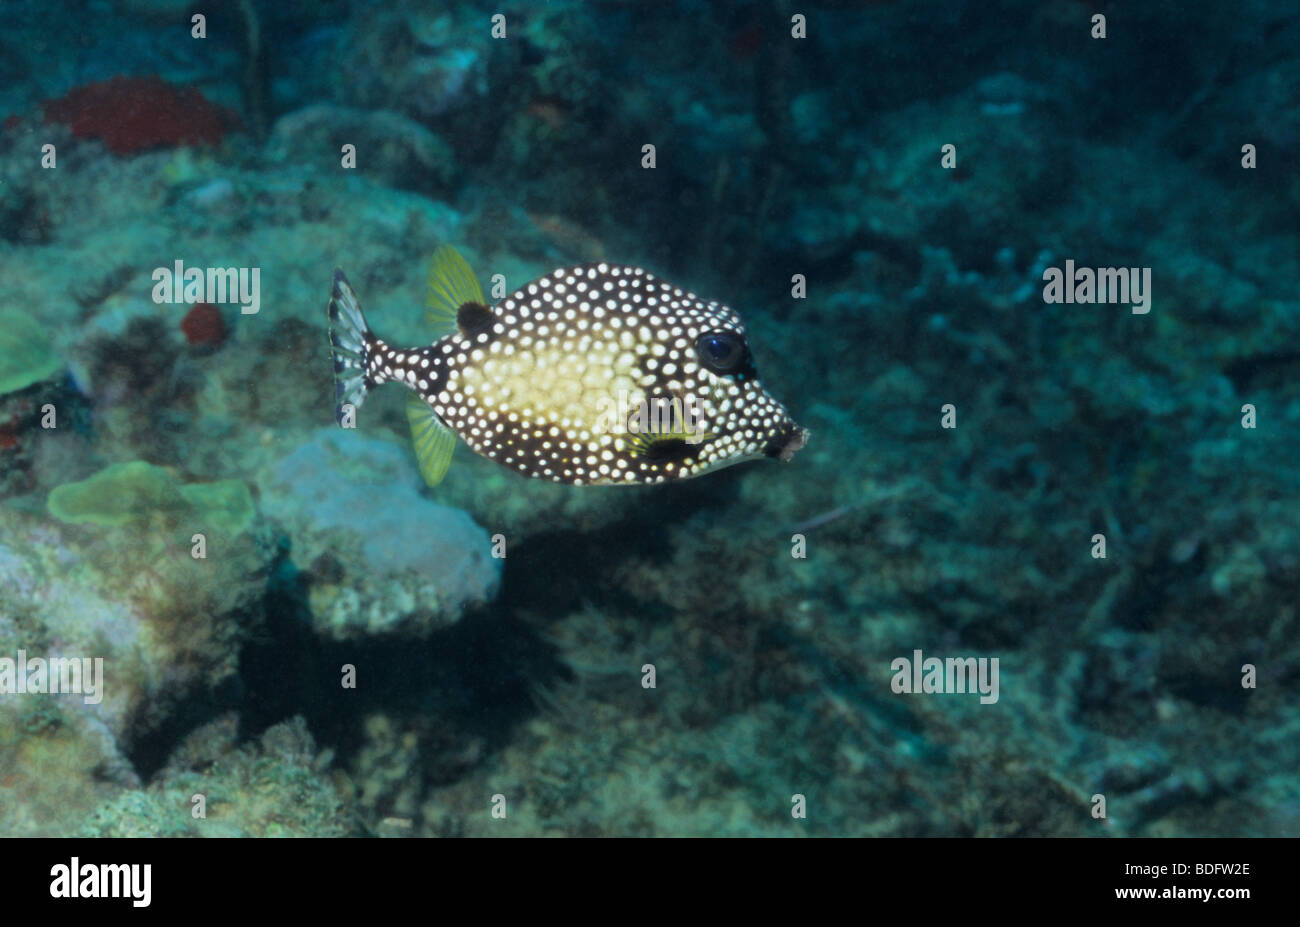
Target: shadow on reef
(475, 681)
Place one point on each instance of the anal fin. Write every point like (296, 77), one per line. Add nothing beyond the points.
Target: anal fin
(433, 441)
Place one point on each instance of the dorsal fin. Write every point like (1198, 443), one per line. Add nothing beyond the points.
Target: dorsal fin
(452, 284)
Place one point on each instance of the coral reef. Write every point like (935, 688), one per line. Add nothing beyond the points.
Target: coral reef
(135, 492)
(204, 326)
(27, 355)
(383, 559)
(132, 585)
(29, 391)
(396, 150)
(524, 676)
(277, 787)
(423, 59)
(134, 114)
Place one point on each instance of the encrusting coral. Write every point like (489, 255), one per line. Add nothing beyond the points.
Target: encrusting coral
(134, 114)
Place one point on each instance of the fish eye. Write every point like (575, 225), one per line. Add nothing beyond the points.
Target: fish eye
(721, 352)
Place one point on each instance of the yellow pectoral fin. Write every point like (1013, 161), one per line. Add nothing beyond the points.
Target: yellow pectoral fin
(648, 443)
(433, 441)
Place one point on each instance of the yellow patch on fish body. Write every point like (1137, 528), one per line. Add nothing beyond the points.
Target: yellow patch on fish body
(548, 384)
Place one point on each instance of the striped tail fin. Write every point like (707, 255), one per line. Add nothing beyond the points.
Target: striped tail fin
(351, 341)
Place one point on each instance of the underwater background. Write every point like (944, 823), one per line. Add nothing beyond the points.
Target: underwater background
(344, 652)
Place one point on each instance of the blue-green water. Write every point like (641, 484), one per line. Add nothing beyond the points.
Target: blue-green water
(1028, 278)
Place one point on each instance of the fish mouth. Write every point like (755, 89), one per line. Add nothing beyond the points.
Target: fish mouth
(786, 442)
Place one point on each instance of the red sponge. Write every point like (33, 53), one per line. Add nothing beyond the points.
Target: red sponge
(131, 114)
(203, 325)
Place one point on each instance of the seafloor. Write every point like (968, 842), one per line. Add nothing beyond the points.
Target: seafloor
(1162, 677)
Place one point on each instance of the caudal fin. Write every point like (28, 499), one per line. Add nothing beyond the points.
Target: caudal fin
(351, 340)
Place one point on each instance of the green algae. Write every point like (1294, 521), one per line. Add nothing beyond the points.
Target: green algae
(26, 352)
(126, 493)
(226, 504)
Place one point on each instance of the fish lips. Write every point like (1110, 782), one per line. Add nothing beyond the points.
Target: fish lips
(785, 442)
